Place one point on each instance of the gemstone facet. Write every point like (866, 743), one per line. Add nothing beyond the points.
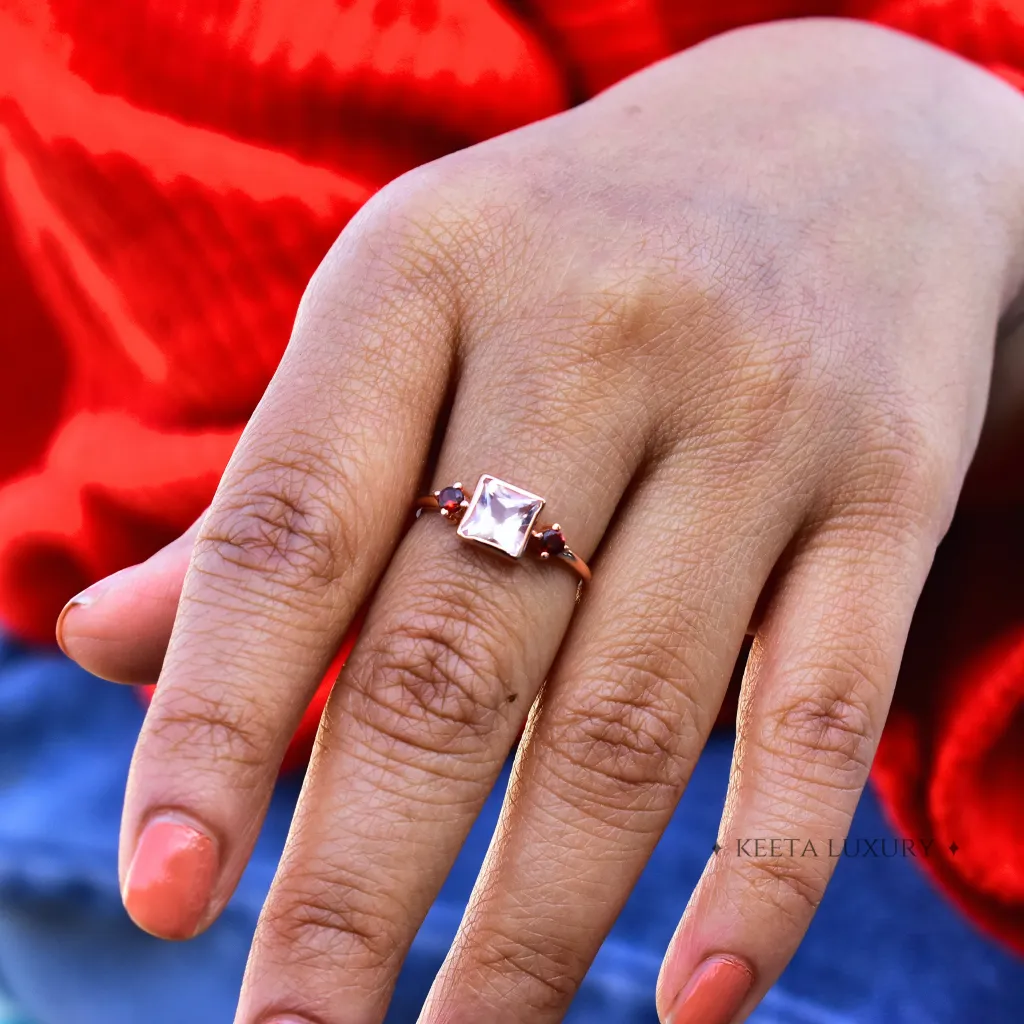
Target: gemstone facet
(500, 515)
(552, 542)
(450, 499)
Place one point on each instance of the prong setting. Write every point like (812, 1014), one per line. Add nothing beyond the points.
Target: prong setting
(551, 541)
(451, 501)
(503, 517)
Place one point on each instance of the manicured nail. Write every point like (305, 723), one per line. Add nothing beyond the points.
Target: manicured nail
(714, 993)
(170, 878)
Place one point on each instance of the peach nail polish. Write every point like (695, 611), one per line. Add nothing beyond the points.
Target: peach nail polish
(170, 878)
(714, 993)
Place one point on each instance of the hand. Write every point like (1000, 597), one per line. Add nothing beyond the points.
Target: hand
(735, 320)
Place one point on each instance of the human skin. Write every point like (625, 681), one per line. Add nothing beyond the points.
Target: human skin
(735, 319)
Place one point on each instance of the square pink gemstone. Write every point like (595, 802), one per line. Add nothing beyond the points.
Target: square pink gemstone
(500, 516)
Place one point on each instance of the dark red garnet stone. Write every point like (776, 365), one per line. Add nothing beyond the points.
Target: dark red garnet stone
(552, 542)
(450, 499)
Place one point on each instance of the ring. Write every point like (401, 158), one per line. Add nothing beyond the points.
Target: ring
(503, 517)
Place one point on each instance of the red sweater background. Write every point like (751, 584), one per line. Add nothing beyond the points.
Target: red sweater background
(172, 172)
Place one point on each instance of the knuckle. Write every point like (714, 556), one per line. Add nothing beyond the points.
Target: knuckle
(542, 980)
(414, 230)
(283, 529)
(901, 479)
(622, 740)
(617, 306)
(434, 682)
(828, 731)
(771, 384)
(756, 368)
(783, 883)
(630, 745)
(205, 731)
(323, 924)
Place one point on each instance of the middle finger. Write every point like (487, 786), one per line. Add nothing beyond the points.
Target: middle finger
(451, 655)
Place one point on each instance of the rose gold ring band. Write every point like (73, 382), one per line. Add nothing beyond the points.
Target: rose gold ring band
(503, 517)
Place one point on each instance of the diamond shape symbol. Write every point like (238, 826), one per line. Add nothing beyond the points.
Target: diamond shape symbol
(500, 515)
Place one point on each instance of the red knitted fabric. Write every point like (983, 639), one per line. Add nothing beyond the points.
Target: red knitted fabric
(171, 174)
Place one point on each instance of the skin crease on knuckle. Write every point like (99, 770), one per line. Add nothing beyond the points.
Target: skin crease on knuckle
(817, 747)
(429, 693)
(622, 756)
(328, 919)
(785, 885)
(432, 684)
(286, 531)
(530, 974)
(829, 717)
(205, 734)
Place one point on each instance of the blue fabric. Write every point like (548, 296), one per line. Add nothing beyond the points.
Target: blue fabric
(10, 1015)
(884, 946)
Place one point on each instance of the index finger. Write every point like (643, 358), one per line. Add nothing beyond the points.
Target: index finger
(306, 516)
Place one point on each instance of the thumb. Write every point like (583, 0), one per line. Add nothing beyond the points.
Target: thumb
(119, 627)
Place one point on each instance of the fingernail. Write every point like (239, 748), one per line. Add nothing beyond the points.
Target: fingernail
(78, 601)
(87, 597)
(170, 878)
(59, 628)
(714, 993)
